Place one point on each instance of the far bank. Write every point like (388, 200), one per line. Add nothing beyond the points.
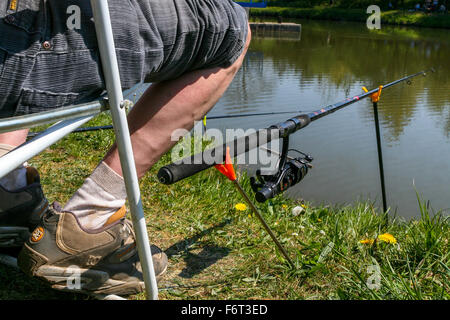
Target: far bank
(393, 17)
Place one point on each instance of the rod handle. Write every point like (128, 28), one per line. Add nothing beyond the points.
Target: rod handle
(175, 172)
(189, 166)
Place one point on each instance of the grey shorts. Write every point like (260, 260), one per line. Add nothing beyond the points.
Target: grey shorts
(49, 54)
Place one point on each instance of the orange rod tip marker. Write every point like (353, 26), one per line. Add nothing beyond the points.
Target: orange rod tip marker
(227, 169)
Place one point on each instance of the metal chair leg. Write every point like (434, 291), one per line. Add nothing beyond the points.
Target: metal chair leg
(112, 78)
(44, 140)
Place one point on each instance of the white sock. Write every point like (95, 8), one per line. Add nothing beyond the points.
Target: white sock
(17, 178)
(101, 195)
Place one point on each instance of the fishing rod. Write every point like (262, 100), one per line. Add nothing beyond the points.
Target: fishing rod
(230, 116)
(250, 115)
(290, 170)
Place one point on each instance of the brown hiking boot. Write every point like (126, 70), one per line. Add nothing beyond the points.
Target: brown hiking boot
(70, 258)
(21, 210)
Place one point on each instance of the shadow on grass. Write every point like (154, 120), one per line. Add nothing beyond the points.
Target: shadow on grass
(15, 285)
(196, 263)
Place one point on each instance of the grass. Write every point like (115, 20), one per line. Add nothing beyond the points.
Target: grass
(391, 17)
(217, 252)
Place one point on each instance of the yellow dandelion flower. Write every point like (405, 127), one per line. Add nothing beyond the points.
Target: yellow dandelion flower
(284, 206)
(367, 241)
(304, 206)
(320, 220)
(389, 238)
(241, 207)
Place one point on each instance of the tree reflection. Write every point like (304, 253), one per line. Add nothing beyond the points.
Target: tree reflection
(249, 84)
(340, 55)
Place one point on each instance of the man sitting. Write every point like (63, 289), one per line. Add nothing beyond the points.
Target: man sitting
(189, 49)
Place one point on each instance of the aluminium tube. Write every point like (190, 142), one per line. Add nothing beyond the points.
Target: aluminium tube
(58, 114)
(52, 116)
(108, 57)
(28, 150)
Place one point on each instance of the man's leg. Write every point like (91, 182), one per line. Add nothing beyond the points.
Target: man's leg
(168, 106)
(163, 108)
(22, 201)
(15, 138)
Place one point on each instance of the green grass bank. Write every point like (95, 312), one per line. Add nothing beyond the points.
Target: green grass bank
(391, 17)
(219, 252)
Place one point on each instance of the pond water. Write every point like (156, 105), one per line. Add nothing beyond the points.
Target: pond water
(331, 61)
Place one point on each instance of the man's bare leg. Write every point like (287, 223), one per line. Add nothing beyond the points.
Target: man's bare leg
(14, 138)
(168, 106)
(164, 108)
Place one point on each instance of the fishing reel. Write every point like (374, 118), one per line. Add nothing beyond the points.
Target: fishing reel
(290, 172)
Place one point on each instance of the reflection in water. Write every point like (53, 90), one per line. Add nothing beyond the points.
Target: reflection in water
(334, 60)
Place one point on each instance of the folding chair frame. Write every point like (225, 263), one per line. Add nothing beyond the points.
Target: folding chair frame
(76, 116)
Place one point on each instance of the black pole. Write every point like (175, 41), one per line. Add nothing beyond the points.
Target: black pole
(264, 223)
(380, 155)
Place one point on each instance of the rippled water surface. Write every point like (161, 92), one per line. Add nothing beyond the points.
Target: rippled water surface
(331, 61)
